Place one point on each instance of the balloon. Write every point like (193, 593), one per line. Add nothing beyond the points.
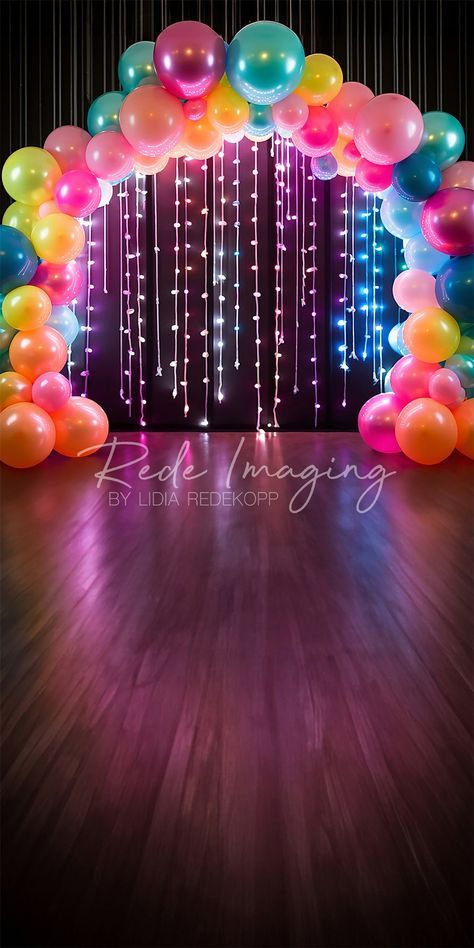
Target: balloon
(431, 335)
(235, 137)
(319, 133)
(14, 388)
(426, 431)
(226, 110)
(27, 435)
(345, 164)
(62, 282)
(345, 107)
(401, 218)
(414, 290)
(420, 255)
(388, 128)
(387, 384)
(371, 177)
(136, 64)
(200, 139)
(51, 391)
(290, 113)
(103, 114)
(455, 288)
(41, 350)
(78, 193)
(417, 177)
(394, 339)
(81, 427)
(47, 208)
(195, 109)
(18, 260)
(447, 221)
(376, 422)
(30, 175)
(64, 321)
(68, 145)
(464, 418)
(106, 192)
(351, 152)
(466, 346)
(265, 62)
(324, 168)
(21, 217)
(410, 378)
(58, 238)
(459, 175)
(26, 307)
(110, 156)
(152, 120)
(189, 59)
(463, 367)
(260, 121)
(6, 335)
(146, 165)
(443, 138)
(445, 387)
(321, 80)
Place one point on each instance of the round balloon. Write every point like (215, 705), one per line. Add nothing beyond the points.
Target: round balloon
(51, 391)
(401, 218)
(14, 388)
(417, 177)
(81, 427)
(324, 168)
(64, 321)
(36, 352)
(346, 106)
(146, 165)
(103, 114)
(410, 378)
(58, 238)
(30, 175)
(62, 282)
(464, 418)
(463, 367)
(67, 144)
(447, 221)
(190, 59)
(321, 80)
(152, 120)
(265, 62)
(459, 175)
(455, 288)
(78, 193)
(27, 435)
(6, 335)
(420, 255)
(290, 113)
(377, 420)
(388, 128)
(431, 335)
(319, 133)
(195, 109)
(226, 110)
(18, 260)
(414, 290)
(136, 64)
(346, 165)
(371, 177)
(260, 121)
(200, 139)
(445, 387)
(426, 431)
(26, 307)
(110, 156)
(466, 345)
(442, 139)
(21, 217)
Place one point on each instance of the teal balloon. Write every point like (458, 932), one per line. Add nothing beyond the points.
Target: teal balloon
(5, 364)
(463, 367)
(265, 62)
(416, 178)
(455, 288)
(18, 259)
(443, 138)
(136, 64)
(260, 120)
(103, 114)
(395, 339)
(64, 321)
(400, 217)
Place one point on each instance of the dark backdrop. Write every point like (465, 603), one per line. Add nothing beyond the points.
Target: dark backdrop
(58, 56)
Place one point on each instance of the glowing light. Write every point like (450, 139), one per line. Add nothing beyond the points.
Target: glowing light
(256, 293)
(175, 290)
(104, 248)
(237, 254)
(205, 296)
(89, 308)
(156, 249)
(221, 279)
(139, 193)
(186, 290)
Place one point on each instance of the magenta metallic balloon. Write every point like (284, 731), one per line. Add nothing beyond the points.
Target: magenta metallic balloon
(377, 420)
(189, 59)
(447, 221)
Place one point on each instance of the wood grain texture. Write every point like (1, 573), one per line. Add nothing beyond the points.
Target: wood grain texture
(238, 727)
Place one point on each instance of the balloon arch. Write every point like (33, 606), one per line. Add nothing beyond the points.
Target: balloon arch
(182, 96)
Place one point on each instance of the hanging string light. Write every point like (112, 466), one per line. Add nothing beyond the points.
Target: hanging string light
(297, 267)
(205, 297)
(156, 250)
(303, 229)
(187, 201)
(256, 292)
(140, 195)
(313, 336)
(104, 249)
(365, 288)
(352, 308)
(121, 321)
(89, 307)
(237, 254)
(175, 290)
(128, 297)
(342, 322)
(279, 186)
(221, 278)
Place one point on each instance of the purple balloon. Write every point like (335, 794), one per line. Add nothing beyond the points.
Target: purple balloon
(377, 420)
(447, 221)
(189, 59)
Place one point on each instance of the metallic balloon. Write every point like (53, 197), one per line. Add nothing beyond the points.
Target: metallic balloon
(447, 221)
(455, 288)
(265, 62)
(324, 168)
(420, 255)
(443, 138)
(189, 59)
(417, 177)
(136, 64)
(260, 120)
(401, 218)
(103, 114)
(18, 259)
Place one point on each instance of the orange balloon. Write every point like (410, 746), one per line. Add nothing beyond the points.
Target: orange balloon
(13, 388)
(426, 431)
(27, 307)
(464, 418)
(200, 139)
(431, 334)
(227, 111)
(37, 351)
(345, 166)
(81, 427)
(146, 165)
(58, 238)
(26, 435)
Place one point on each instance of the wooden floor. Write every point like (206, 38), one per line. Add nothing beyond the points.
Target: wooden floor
(238, 726)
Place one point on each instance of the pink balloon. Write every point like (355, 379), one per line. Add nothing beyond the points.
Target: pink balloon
(377, 420)
(78, 193)
(388, 128)
(445, 387)
(62, 282)
(51, 391)
(291, 113)
(347, 105)
(189, 59)
(110, 156)
(460, 175)
(48, 207)
(414, 290)
(372, 177)
(195, 109)
(68, 145)
(351, 152)
(447, 221)
(410, 378)
(152, 120)
(319, 133)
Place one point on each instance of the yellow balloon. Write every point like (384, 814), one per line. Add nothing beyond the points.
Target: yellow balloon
(227, 110)
(466, 346)
(431, 334)
(26, 307)
(58, 238)
(321, 81)
(30, 175)
(345, 166)
(13, 388)
(21, 216)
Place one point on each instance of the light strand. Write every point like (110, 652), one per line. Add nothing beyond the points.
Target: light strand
(314, 357)
(140, 297)
(343, 299)
(279, 185)
(205, 297)
(175, 290)
(297, 268)
(89, 308)
(104, 249)
(221, 278)
(128, 296)
(256, 293)
(156, 249)
(352, 308)
(121, 323)
(303, 230)
(237, 254)
(374, 300)
(365, 306)
(186, 199)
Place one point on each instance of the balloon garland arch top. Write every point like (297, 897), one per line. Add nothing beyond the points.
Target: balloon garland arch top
(182, 96)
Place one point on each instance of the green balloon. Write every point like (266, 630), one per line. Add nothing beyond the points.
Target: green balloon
(265, 62)
(463, 367)
(443, 138)
(135, 64)
(103, 114)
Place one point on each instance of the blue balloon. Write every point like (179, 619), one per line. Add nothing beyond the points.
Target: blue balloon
(18, 260)
(443, 138)
(135, 64)
(420, 255)
(65, 322)
(463, 367)
(416, 178)
(260, 120)
(103, 114)
(324, 168)
(455, 288)
(265, 62)
(401, 218)
(395, 339)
